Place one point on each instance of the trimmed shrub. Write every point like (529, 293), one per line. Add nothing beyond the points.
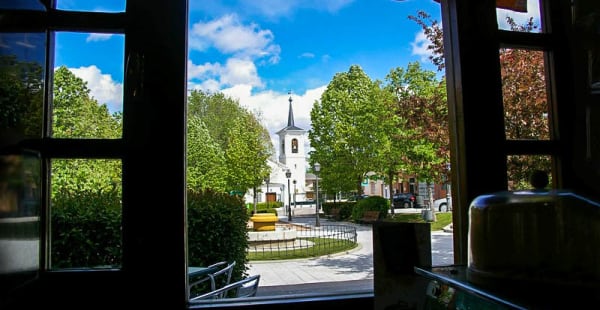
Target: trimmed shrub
(217, 230)
(262, 207)
(371, 203)
(345, 207)
(86, 230)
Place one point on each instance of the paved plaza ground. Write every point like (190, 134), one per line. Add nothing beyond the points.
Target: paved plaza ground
(351, 270)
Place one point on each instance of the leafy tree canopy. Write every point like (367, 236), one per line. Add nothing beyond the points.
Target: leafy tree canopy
(22, 93)
(347, 129)
(235, 141)
(421, 103)
(77, 115)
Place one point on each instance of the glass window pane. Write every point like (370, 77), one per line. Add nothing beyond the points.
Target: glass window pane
(19, 211)
(22, 5)
(20, 201)
(108, 6)
(524, 94)
(254, 53)
(88, 97)
(511, 13)
(520, 168)
(586, 23)
(22, 70)
(85, 213)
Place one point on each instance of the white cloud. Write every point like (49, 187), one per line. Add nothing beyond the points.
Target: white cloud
(102, 87)
(271, 9)
(215, 76)
(210, 85)
(273, 107)
(419, 46)
(239, 71)
(202, 71)
(307, 55)
(96, 37)
(332, 5)
(277, 8)
(229, 36)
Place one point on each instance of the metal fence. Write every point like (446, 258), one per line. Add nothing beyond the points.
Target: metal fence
(289, 241)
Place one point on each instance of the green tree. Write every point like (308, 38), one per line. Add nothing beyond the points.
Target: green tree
(86, 193)
(205, 158)
(218, 113)
(22, 93)
(347, 130)
(393, 150)
(77, 115)
(247, 153)
(422, 104)
(232, 131)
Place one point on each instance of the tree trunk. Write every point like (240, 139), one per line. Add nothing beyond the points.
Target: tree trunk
(390, 180)
(255, 200)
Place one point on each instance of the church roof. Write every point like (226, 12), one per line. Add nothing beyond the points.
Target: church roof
(290, 124)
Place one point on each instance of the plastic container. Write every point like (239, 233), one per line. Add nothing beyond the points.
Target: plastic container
(533, 238)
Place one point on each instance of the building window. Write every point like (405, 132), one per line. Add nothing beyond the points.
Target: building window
(294, 145)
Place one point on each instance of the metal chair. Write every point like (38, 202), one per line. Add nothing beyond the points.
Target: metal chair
(218, 264)
(222, 277)
(196, 281)
(247, 287)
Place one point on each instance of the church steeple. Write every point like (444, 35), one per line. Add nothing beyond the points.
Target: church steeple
(290, 122)
(291, 112)
(291, 150)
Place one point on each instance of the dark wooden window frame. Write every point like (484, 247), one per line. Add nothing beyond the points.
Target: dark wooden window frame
(154, 234)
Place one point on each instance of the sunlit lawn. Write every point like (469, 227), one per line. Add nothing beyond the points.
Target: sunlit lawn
(323, 246)
(320, 247)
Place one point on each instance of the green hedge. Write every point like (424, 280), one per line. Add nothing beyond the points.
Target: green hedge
(86, 230)
(371, 203)
(262, 207)
(217, 230)
(345, 207)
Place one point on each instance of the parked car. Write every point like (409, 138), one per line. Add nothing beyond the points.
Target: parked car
(405, 200)
(441, 205)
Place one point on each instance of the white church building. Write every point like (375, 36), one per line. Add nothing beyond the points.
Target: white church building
(292, 159)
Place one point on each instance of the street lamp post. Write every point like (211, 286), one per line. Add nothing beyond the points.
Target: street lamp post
(317, 168)
(448, 188)
(288, 174)
(294, 193)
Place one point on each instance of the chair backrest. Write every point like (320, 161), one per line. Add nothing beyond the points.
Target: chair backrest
(218, 264)
(196, 285)
(247, 287)
(221, 277)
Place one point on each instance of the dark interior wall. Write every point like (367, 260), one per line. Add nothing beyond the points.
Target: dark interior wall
(583, 142)
(155, 259)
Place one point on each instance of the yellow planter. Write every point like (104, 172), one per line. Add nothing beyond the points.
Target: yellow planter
(264, 221)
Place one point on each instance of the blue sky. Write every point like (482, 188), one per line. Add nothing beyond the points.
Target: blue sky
(258, 51)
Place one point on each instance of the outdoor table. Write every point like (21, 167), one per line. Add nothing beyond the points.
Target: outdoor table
(194, 272)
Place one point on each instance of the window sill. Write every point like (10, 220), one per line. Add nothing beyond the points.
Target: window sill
(362, 299)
